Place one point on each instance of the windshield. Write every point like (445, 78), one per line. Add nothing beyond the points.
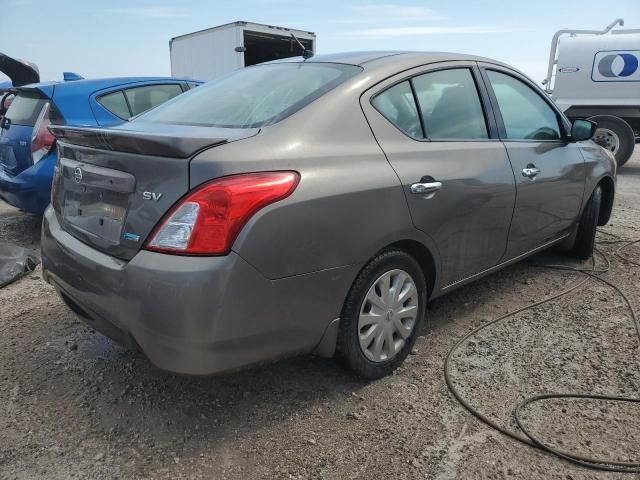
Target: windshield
(254, 96)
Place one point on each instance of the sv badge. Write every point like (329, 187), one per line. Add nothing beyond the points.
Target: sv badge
(151, 196)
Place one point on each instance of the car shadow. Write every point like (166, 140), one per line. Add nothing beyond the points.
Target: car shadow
(124, 391)
(630, 169)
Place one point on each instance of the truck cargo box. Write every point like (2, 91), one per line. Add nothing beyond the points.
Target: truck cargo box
(215, 51)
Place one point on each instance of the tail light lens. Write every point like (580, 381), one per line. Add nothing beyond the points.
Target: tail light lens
(208, 220)
(42, 140)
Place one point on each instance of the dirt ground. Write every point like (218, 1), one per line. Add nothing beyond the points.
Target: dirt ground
(75, 405)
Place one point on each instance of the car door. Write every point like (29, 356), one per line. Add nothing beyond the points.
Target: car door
(549, 169)
(441, 140)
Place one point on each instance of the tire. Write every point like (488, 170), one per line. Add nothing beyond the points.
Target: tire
(586, 234)
(615, 135)
(394, 334)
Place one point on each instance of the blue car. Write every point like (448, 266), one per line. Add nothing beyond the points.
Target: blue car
(27, 148)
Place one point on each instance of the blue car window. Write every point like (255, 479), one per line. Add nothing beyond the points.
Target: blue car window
(116, 104)
(25, 108)
(145, 98)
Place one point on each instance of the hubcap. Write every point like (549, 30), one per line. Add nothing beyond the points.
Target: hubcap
(388, 315)
(607, 138)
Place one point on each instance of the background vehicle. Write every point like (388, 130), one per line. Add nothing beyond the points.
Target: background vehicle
(19, 73)
(215, 51)
(297, 206)
(596, 75)
(27, 153)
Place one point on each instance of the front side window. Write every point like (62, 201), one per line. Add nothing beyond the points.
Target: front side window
(398, 105)
(253, 97)
(450, 105)
(145, 98)
(526, 116)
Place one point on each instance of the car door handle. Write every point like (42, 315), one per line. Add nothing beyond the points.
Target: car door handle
(530, 171)
(426, 188)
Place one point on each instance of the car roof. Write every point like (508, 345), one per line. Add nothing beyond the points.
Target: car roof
(375, 59)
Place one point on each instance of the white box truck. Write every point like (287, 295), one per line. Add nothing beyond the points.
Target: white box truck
(595, 74)
(206, 54)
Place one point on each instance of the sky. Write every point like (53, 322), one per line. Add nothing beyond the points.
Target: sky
(120, 38)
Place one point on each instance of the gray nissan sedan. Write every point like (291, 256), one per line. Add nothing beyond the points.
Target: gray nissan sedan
(315, 205)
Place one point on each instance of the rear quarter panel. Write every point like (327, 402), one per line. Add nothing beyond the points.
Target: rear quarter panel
(74, 106)
(349, 203)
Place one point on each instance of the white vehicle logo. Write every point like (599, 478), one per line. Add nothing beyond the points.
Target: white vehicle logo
(616, 66)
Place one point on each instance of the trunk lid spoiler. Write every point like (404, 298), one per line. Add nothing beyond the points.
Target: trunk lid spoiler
(156, 139)
(20, 72)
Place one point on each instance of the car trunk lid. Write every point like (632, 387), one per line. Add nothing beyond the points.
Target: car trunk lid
(112, 186)
(20, 73)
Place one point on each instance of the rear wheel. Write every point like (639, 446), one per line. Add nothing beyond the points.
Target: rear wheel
(382, 313)
(586, 234)
(615, 135)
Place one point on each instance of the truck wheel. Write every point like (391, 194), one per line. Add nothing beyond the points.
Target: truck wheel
(615, 135)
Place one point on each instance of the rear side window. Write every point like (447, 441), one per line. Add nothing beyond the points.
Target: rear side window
(25, 108)
(142, 99)
(116, 104)
(398, 105)
(254, 96)
(450, 105)
(526, 116)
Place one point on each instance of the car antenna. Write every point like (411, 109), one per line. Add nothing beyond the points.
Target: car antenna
(306, 53)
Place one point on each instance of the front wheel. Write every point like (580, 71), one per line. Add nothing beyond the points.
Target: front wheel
(382, 314)
(586, 234)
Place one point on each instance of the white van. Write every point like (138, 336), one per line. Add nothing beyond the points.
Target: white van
(596, 75)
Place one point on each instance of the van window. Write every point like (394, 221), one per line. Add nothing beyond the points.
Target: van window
(525, 115)
(25, 108)
(254, 96)
(398, 105)
(145, 98)
(450, 105)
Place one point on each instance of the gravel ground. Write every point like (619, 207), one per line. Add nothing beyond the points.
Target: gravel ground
(75, 405)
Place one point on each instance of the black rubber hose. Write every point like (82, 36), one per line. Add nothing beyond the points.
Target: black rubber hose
(626, 259)
(528, 438)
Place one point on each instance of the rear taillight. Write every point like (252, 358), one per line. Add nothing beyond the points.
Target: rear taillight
(208, 220)
(42, 140)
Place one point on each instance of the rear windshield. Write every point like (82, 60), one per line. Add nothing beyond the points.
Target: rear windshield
(254, 96)
(25, 108)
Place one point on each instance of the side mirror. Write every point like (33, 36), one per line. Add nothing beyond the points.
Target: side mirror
(582, 130)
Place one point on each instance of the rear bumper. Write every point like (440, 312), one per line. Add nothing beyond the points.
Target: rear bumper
(193, 315)
(30, 190)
